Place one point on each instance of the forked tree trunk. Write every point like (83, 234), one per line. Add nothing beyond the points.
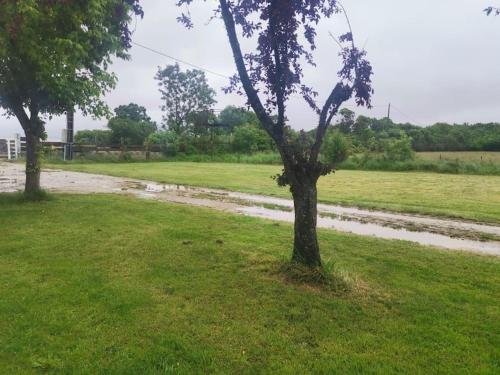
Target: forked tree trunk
(305, 246)
(32, 163)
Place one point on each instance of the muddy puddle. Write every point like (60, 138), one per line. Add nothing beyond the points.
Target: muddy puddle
(444, 233)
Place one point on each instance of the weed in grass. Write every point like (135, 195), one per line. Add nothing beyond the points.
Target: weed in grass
(326, 278)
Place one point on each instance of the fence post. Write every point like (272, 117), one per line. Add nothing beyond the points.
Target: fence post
(146, 147)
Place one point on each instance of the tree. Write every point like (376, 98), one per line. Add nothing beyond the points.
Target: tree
(131, 125)
(54, 57)
(132, 112)
(232, 117)
(183, 93)
(274, 72)
(346, 120)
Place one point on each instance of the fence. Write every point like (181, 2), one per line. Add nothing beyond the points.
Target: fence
(12, 148)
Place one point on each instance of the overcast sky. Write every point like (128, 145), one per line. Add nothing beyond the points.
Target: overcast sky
(434, 60)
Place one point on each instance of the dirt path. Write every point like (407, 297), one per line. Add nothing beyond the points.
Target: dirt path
(444, 233)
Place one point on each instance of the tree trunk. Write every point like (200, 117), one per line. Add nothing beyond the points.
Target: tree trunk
(305, 246)
(32, 163)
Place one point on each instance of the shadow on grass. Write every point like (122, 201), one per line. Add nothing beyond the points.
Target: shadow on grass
(22, 197)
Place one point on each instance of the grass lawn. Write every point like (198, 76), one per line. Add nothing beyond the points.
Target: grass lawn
(474, 156)
(464, 196)
(108, 284)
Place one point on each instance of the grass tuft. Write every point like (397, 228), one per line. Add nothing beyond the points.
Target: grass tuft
(22, 197)
(326, 278)
(38, 195)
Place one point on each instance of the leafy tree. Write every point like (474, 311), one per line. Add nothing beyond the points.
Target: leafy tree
(268, 77)
(361, 124)
(250, 138)
(54, 57)
(202, 122)
(232, 117)
(132, 112)
(183, 93)
(131, 125)
(346, 120)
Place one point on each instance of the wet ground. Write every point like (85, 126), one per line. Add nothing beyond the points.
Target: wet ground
(444, 233)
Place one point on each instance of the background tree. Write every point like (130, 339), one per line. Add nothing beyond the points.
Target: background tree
(132, 112)
(346, 121)
(131, 125)
(232, 117)
(54, 57)
(335, 147)
(274, 72)
(183, 93)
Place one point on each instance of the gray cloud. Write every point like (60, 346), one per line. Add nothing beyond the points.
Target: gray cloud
(434, 60)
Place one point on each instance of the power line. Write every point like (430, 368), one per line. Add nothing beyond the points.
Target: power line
(179, 60)
(404, 114)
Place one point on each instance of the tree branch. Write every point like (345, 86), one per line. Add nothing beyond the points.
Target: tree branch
(340, 94)
(252, 95)
(280, 100)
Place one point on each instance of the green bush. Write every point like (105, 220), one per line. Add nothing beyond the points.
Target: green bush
(399, 149)
(335, 148)
(250, 138)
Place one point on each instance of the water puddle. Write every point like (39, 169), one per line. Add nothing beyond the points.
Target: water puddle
(369, 229)
(444, 233)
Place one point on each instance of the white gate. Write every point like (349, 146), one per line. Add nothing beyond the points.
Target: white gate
(12, 147)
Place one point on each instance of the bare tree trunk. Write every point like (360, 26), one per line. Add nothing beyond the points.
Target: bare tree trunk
(32, 163)
(305, 246)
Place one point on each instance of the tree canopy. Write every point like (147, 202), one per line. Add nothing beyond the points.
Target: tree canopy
(183, 94)
(131, 125)
(54, 56)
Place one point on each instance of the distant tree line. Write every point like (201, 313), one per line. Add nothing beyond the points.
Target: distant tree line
(371, 134)
(191, 126)
(237, 130)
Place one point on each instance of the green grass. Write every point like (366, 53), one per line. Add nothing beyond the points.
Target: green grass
(464, 196)
(104, 284)
(469, 156)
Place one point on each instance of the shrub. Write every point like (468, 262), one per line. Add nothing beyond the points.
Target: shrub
(335, 148)
(399, 150)
(250, 138)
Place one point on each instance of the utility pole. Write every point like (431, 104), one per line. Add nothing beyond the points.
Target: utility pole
(389, 111)
(70, 125)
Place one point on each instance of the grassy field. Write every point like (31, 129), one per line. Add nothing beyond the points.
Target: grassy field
(464, 196)
(106, 284)
(469, 156)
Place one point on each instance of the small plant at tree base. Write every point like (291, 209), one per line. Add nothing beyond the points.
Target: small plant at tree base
(273, 72)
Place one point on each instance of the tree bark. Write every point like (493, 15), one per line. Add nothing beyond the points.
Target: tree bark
(32, 163)
(305, 246)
